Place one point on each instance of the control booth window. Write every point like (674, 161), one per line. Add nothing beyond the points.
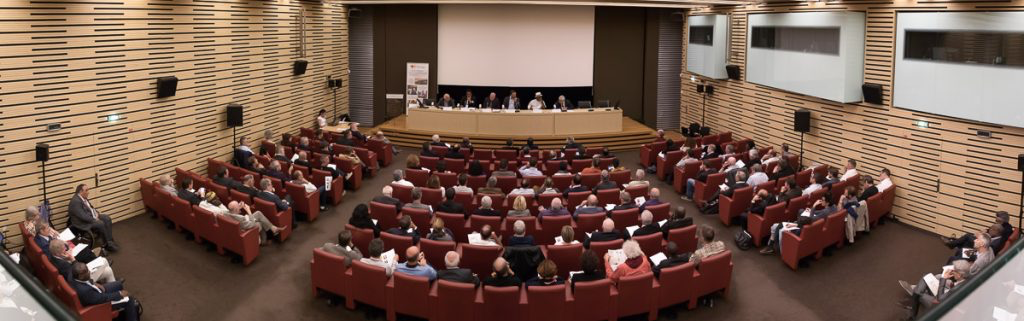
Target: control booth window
(702, 35)
(971, 47)
(820, 40)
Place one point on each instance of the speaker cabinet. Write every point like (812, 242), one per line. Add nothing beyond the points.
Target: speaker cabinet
(300, 67)
(704, 131)
(166, 86)
(733, 71)
(872, 93)
(234, 115)
(42, 152)
(802, 120)
(700, 88)
(709, 89)
(1020, 162)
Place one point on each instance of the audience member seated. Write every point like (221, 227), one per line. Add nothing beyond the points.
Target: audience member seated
(417, 201)
(831, 177)
(635, 264)
(242, 153)
(450, 205)
(349, 154)
(739, 182)
(386, 198)
(590, 206)
(607, 233)
(223, 179)
(486, 208)
(303, 159)
(625, 202)
(519, 237)
(475, 168)
(416, 264)
(782, 170)
(594, 168)
(676, 220)
(398, 177)
(614, 167)
(361, 219)
(344, 248)
(425, 151)
(789, 191)
(42, 233)
(502, 275)
(455, 153)
(708, 245)
(702, 176)
(487, 237)
(186, 192)
(1002, 219)
(267, 194)
(503, 170)
(492, 187)
(438, 232)
(519, 208)
(523, 189)
(326, 166)
(375, 249)
(570, 143)
(653, 198)
(710, 151)
(851, 169)
(379, 136)
(84, 217)
(547, 274)
(556, 209)
(299, 179)
(920, 295)
(778, 228)
(647, 225)
(563, 169)
(274, 170)
(61, 256)
(979, 256)
(672, 258)
(590, 268)
(466, 143)
(530, 169)
(758, 177)
(435, 140)
(529, 146)
(280, 155)
(577, 186)
(568, 236)
(247, 219)
(248, 186)
(452, 272)
(90, 293)
(548, 187)
(606, 182)
(816, 184)
(405, 228)
(884, 181)
(167, 184)
(268, 136)
(461, 187)
(346, 139)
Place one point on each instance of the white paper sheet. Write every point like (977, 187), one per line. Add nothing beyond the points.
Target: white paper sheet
(66, 235)
(657, 258)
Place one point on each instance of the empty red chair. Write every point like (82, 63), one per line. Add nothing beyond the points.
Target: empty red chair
(478, 258)
(360, 237)
(566, 257)
(507, 183)
(552, 166)
(660, 211)
(466, 199)
(650, 243)
(302, 202)
(619, 177)
(328, 273)
(649, 151)
(637, 191)
(456, 165)
(579, 164)
(420, 217)
(455, 222)
(676, 285)
(550, 227)
(448, 179)
(794, 248)
(624, 218)
(454, 301)
(386, 215)
(794, 207)
(398, 242)
(685, 238)
(436, 250)
(409, 296)
(732, 207)
(713, 274)
(561, 182)
(759, 226)
(600, 248)
(482, 154)
(371, 282)
(429, 163)
(587, 223)
(402, 192)
(688, 171)
(665, 164)
(725, 137)
(547, 302)
(506, 154)
(606, 196)
(206, 224)
(368, 158)
(703, 190)
(476, 182)
(417, 177)
(593, 300)
(503, 301)
(636, 295)
(591, 180)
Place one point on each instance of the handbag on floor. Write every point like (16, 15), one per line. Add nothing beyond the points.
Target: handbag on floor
(744, 241)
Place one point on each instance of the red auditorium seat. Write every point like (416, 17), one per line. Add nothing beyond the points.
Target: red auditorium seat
(466, 199)
(402, 192)
(146, 191)
(223, 194)
(279, 189)
(507, 183)
(503, 301)
(535, 180)
(685, 238)
(566, 257)
(436, 250)
(677, 285)
(591, 151)
(368, 158)
(605, 197)
(768, 186)
(478, 221)
(624, 218)
(547, 302)
(246, 244)
(456, 165)
(372, 284)
(96, 312)
(1010, 240)
(455, 222)
(279, 218)
(649, 151)
(837, 190)
(591, 180)
(713, 274)
(361, 237)
(732, 207)
(660, 211)
(418, 177)
(794, 248)
(506, 154)
(588, 223)
(397, 242)
(593, 300)
(303, 169)
(550, 227)
(206, 224)
(337, 185)
(478, 258)
(637, 295)
(430, 163)
(570, 153)
(703, 190)
(637, 191)
(483, 154)
(759, 226)
(794, 207)
(386, 215)
(579, 164)
(356, 180)
(420, 217)
(383, 151)
(835, 229)
(816, 195)
(575, 199)
(650, 243)
(454, 301)
(476, 182)
(667, 163)
(448, 179)
(302, 202)
(327, 272)
(409, 296)
(431, 196)
(561, 182)
(240, 197)
(689, 170)
(619, 177)
(600, 248)
(439, 150)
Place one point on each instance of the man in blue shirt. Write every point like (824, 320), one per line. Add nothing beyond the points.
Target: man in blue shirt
(416, 264)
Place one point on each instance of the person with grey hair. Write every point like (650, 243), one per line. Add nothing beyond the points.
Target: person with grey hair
(167, 184)
(982, 253)
(635, 263)
(556, 209)
(274, 170)
(452, 272)
(590, 206)
(607, 233)
(83, 216)
(398, 177)
(42, 233)
(486, 208)
(248, 219)
(563, 104)
(279, 154)
(60, 255)
(267, 194)
(638, 179)
(606, 182)
(268, 136)
(386, 198)
(519, 237)
(491, 188)
(647, 225)
(417, 201)
(435, 140)
(921, 295)
(757, 176)
(625, 202)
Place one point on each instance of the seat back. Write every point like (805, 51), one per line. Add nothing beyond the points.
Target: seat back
(409, 286)
(431, 196)
(685, 238)
(561, 182)
(547, 302)
(429, 162)
(624, 218)
(730, 207)
(677, 285)
(452, 300)
(417, 177)
(589, 222)
(360, 237)
(607, 196)
(619, 177)
(371, 282)
(439, 150)
(386, 215)
(579, 164)
(637, 191)
(455, 222)
(478, 258)
(593, 300)
(636, 295)
(448, 179)
(714, 273)
(397, 242)
(660, 211)
(566, 257)
(803, 178)
(478, 221)
(456, 165)
(591, 180)
(436, 250)
(476, 182)
(835, 229)
(420, 217)
(402, 192)
(483, 154)
(550, 227)
(837, 189)
(502, 301)
(507, 154)
(575, 198)
(327, 272)
(650, 243)
(507, 183)
(535, 180)
(600, 248)
(794, 206)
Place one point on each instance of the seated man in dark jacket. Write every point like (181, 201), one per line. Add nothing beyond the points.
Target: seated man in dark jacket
(453, 273)
(187, 193)
(248, 186)
(485, 208)
(405, 228)
(577, 186)
(502, 275)
(386, 198)
(519, 237)
(607, 233)
(449, 205)
(678, 219)
(647, 225)
(702, 176)
(223, 179)
(626, 202)
(274, 170)
(267, 194)
(606, 182)
(93, 294)
(673, 258)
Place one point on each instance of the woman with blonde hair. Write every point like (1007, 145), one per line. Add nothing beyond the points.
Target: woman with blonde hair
(438, 232)
(519, 207)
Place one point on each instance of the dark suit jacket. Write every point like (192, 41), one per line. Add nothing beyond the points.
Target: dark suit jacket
(674, 224)
(869, 192)
(517, 240)
(791, 194)
(227, 182)
(703, 175)
(453, 155)
(734, 187)
(365, 223)
(242, 157)
(514, 105)
(79, 214)
(783, 172)
(248, 190)
(670, 262)
(451, 207)
(486, 212)
(399, 231)
(574, 189)
(604, 236)
(458, 275)
(758, 207)
(389, 200)
(63, 268)
(650, 202)
(277, 174)
(626, 206)
(605, 185)
(90, 296)
(487, 103)
(568, 105)
(192, 198)
(511, 280)
(302, 163)
(443, 103)
(271, 197)
(334, 172)
(468, 101)
(588, 276)
(282, 158)
(647, 229)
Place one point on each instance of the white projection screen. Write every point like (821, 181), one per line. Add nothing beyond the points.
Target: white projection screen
(515, 45)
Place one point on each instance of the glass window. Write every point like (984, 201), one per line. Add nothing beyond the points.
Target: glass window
(823, 40)
(974, 47)
(702, 35)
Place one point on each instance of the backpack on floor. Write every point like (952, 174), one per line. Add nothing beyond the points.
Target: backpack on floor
(744, 241)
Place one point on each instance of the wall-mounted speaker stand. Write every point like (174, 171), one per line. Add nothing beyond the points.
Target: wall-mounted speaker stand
(1020, 167)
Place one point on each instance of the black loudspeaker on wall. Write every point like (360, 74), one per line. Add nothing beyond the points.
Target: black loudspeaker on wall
(802, 120)
(733, 71)
(42, 152)
(234, 115)
(700, 88)
(1020, 162)
(166, 86)
(300, 67)
(872, 93)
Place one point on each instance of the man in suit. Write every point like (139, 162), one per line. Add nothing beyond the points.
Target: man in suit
(491, 101)
(652, 199)
(186, 192)
(452, 272)
(248, 186)
(789, 191)
(446, 101)
(678, 219)
(84, 217)
(502, 275)
(710, 152)
(607, 233)
(344, 248)
(577, 186)
(60, 255)
(606, 182)
(468, 100)
(647, 225)
(267, 194)
(386, 198)
(274, 170)
(868, 187)
(324, 161)
(589, 206)
(90, 293)
(449, 205)
(223, 179)
(405, 228)
(512, 101)
(556, 209)
(435, 140)
(626, 202)
(519, 236)
(672, 258)
(563, 104)
(485, 208)
(302, 160)
(921, 295)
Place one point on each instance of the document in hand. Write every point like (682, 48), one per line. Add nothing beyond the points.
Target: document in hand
(66, 235)
(609, 207)
(616, 257)
(95, 264)
(932, 282)
(639, 200)
(630, 229)
(78, 249)
(662, 222)
(388, 257)
(474, 237)
(657, 258)
(327, 183)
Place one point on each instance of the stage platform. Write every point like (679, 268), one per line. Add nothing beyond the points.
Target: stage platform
(633, 135)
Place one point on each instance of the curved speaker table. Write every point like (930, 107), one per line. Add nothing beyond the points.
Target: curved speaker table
(522, 123)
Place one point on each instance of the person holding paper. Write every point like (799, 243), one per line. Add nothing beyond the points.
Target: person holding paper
(590, 268)
(567, 236)
(491, 102)
(672, 257)
(247, 220)
(778, 228)
(652, 199)
(486, 237)
(405, 228)
(63, 258)
(41, 231)
(416, 264)
(327, 166)
(512, 101)
(90, 293)
(83, 216)
(375, 250)
(635, 262)
(626, 202)
(931, 290)
(344, 248)
(647, 225)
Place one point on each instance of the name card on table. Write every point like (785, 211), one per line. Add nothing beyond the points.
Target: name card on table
(464, 109)
(556, 110)
(446, 108)
(537, 111)
(511, 111)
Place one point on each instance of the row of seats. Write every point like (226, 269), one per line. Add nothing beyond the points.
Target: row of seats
(46, 272)
(548, 167)
(353, 182)
(381, 150)
(419, 178)
(649, 152)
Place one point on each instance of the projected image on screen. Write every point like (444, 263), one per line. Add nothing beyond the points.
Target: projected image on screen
(973, 47)
(702, 35)
(515, 45)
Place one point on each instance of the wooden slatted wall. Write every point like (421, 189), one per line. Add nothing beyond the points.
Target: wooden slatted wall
(74, 62)
(949, 179)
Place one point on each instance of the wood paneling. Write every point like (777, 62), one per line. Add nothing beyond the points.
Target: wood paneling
(949, 179)
(75, 62)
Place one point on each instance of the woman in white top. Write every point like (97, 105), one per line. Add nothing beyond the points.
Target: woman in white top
(567, 236)
(299, 179)
(321, 119)
(212, 203)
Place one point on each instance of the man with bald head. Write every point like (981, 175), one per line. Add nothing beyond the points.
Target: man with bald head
(416, 264)
(167, 184)
(647, 225)
(652, 199)
(607, 233)
(589, 206)
(556, 209)
(452, 272)
(502, 275)
(487, 237)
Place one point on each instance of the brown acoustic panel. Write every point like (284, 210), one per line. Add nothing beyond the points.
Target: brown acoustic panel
(77, 62)
(949, 180)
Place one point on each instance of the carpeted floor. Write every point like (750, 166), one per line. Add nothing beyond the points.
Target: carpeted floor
(180, 280)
